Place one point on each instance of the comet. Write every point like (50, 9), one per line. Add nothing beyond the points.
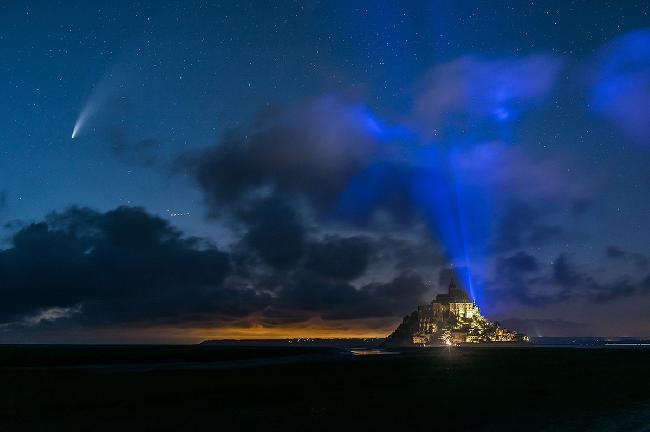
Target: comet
(113, 84)
(85, 113)
(100, 95)
(77, 126)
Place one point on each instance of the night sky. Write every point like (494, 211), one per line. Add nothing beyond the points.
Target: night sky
(175, 171)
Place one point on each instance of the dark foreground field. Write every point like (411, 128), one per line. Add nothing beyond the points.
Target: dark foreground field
(229, 388)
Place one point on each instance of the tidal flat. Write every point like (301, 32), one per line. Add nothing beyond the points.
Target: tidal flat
(118, 388)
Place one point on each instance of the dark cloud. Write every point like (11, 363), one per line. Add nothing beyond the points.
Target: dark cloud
(120, 266)
(275, 231)
(614, 252)
(396, 297)
(565, 274)
(336, 299)
(522, 278)
(618, 254)
(340, 258)
(128, 267)
(521, 262)
(311, 150)
(520, 226)
(306, 291)
(320, 282)
(515, 274)
(422, 253)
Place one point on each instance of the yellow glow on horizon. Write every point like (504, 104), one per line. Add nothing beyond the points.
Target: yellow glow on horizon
(314, 328)
(252, 327)
(286, 333)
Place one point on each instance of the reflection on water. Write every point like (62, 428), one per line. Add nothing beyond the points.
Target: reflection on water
(361, 352)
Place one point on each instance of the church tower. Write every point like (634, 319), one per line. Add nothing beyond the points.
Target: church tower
(456, 294)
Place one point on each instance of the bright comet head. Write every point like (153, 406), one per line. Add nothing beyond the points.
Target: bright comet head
(81, 120)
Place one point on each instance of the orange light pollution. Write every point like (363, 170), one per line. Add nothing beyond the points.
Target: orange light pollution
(252, 327)
(312, 328)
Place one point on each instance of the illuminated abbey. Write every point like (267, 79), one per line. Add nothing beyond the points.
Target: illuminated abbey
(450, 319)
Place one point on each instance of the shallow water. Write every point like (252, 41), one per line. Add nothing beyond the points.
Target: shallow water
(457, 388)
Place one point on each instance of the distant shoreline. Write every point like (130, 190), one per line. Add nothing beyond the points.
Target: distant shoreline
(551, 341)
(315, 342)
